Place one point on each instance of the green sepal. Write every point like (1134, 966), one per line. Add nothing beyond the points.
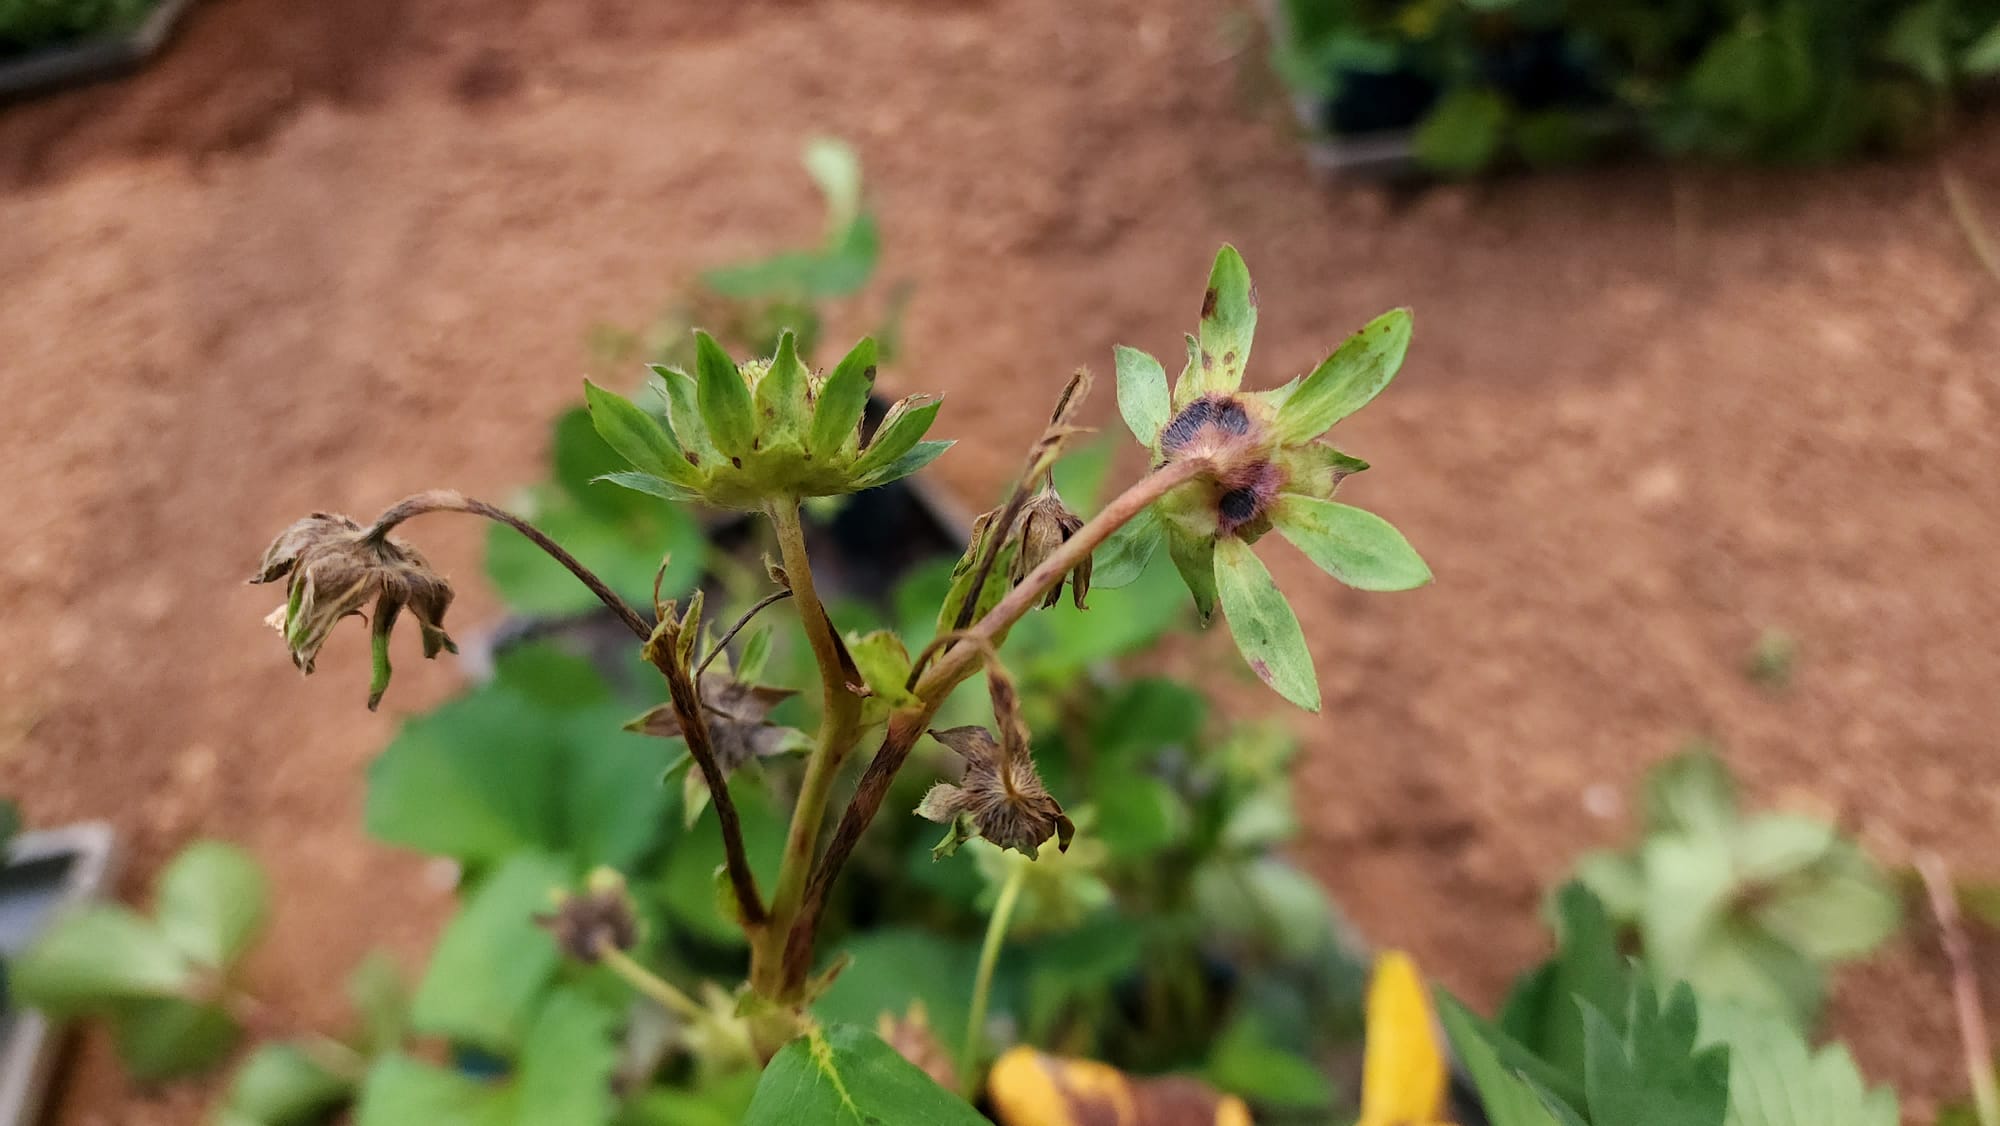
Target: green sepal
(1142, 395)
(1316, 469)
(997, 584)
(95, 957)
(1194, 558)
(918, 456)
(637, 437)
(1353, 545)
(1344, 382)
(379, 667)
(884, 664)
(724, 398)
(1228, 321)
(1267, 633)
(1125, 555)
(961, 830)
(899, 433)
(843, 399)
(783, 409)
(677, 389)
(650, 485)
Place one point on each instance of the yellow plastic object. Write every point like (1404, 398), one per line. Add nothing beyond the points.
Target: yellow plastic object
(1403, 1071)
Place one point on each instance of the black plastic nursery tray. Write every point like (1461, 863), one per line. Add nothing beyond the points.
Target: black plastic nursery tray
(86, 60)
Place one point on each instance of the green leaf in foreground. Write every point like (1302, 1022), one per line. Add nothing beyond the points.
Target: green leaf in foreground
(401, 1091)
(1509, 1097)
(285, 1085)
(492, 963)
(167, 1038)
(213, 903)
(1650, 1073)
(96, 956)
(1775, 1079)
(846, 1076)
(564, 1074)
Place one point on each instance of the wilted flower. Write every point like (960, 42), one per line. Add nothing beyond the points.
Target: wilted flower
(600, 919)
(738, 435)
(337, 567)
(1000, 799)
(1044, 525)
(739, 729)
(1265, 466)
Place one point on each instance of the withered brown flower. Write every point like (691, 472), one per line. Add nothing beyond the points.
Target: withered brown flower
(1044, 525)
(1001, 796)
(739, 725)
(336, 568)
(600, 919)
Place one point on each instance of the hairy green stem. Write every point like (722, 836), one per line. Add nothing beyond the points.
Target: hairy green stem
(982, 981)
(650, 985)
(838, 728)
(947, 673)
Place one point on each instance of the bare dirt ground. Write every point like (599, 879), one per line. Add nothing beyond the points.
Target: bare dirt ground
(321, 255)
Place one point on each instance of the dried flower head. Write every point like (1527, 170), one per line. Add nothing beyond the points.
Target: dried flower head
(601, 918)
(1044, 525)
(739, 724)
(337, 568)
(1000, 798)
(739, 731)
(1264, 465)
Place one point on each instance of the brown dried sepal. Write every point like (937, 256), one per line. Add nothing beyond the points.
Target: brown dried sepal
(739, 727)
(1002, 796)
(1044, 525)
(336, 568)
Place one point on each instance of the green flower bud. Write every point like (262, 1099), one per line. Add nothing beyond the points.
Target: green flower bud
(739, 435)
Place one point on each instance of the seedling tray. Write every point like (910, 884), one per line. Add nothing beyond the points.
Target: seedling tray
(46, 872)
(86, 60)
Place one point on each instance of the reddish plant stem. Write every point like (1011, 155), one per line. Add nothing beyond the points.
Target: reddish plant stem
(1964, 987)
(680, 686)
(946, 673)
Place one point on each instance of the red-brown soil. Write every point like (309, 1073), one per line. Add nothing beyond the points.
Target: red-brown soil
(321, 255)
